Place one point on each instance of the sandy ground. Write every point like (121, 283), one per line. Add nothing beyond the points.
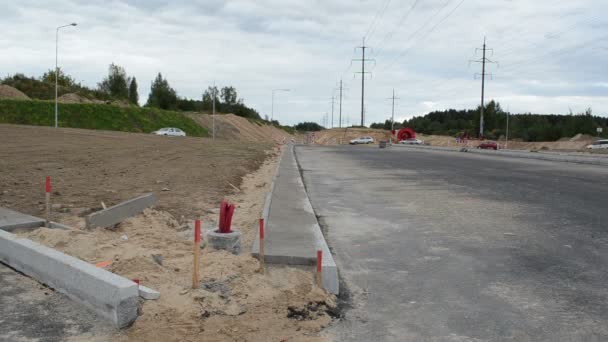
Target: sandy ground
(342, 136)
(235, 302)
(233, 127)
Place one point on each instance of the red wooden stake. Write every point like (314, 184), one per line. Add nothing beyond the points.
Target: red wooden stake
(197, 251)
(319, 266)
(47, 197)
(262, 245)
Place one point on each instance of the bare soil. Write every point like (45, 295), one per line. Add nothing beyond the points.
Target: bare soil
(8, 92)
(234, 302)
(236, 128)
(343, 136)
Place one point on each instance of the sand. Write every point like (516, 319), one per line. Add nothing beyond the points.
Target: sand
(236, 303)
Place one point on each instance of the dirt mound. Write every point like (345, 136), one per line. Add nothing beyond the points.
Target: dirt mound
(344, 135)
(233, 127)
(582, 137)
(73, 98)
(8, 92)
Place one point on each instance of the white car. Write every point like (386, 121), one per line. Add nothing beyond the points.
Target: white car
(412, 142)
(362, 140)
(170, 131)
(600, 144)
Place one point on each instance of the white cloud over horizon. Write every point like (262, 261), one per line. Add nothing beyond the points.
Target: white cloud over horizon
(552, 55)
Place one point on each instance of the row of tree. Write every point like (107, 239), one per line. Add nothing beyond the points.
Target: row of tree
(117, 85)
(528, 127)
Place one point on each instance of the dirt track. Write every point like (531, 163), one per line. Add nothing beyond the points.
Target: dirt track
(88, 167)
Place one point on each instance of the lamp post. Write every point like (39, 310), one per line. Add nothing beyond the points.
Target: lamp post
(57, 66)
(272, 108)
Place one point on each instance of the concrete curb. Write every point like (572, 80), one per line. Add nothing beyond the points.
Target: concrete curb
(121, 211)
(111, 296)
(255, 248)
(330, 280)
(517, 154)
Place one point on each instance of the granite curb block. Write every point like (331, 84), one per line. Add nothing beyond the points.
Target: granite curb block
(109, 295)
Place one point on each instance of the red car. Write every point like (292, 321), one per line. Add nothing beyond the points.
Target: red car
(488, 145)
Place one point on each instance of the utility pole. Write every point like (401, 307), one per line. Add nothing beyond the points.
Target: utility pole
(332, 110)
(363, 72)
(483, 75)
(507, 133)
(393, 98)
(213, 113)
(340, 118)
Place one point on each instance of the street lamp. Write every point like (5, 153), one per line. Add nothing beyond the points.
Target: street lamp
(56, 65)
(272, 109)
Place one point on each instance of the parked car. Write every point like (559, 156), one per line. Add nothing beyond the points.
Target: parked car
(599, 144)
(412, 142)
(362, 140)
(488, 145)
(170, 131)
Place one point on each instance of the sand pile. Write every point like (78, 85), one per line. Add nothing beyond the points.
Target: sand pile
(8, 92)
(233, 127)
(73, 98)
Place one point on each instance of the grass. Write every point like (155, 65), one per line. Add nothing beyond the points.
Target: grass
(96, 116)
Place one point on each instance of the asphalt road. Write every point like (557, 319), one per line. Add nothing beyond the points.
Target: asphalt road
(443, 246)
(30, 311)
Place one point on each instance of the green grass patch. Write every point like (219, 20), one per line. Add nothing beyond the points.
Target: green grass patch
(96, 116)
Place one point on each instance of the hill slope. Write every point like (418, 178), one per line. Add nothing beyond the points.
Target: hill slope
(233, 127)
(96, 116)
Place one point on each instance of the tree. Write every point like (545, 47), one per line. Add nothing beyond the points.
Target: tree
(116, 84)
(63, 81)
(161, 94)
(308, 126)
(208, 98)
(229, 96)
(133, 95)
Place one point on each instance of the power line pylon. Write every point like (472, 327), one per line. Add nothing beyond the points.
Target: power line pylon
(363, 72)
(483, 75)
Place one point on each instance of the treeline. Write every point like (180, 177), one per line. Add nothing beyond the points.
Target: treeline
(117, 85)
(528, 127)
(308, 126)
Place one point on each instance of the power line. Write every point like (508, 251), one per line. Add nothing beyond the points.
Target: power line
(378, 15)
(403, 52)
(401, 20)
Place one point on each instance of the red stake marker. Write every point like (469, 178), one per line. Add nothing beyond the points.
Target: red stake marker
(47, 197)
(197, 251)
(319, 266)
(262, 245)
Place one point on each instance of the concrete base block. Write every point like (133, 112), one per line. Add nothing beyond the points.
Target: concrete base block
(118, 213)
(111, 296)
(230, 241)
(147, 293)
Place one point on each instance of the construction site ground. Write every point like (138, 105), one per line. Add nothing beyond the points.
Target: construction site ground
(337, 136)
(190, 176)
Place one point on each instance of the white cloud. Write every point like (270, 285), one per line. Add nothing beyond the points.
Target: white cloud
(552, 55)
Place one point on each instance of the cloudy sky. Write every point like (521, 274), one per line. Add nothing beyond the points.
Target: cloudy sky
(552, 54)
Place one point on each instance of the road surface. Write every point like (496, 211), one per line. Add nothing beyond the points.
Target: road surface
(30, 311)
(444, 246)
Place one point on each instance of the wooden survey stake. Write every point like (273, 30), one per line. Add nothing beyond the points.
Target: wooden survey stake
(197, 252)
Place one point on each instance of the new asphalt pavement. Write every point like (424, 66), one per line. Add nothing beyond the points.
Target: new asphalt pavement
(444, 246)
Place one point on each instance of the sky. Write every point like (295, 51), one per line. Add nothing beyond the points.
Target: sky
(552, 55)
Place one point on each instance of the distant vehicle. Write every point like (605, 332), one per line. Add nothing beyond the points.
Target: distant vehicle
(488, 145)
(600, 144)
(170, 131)
(362, 140)
(412, 142)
